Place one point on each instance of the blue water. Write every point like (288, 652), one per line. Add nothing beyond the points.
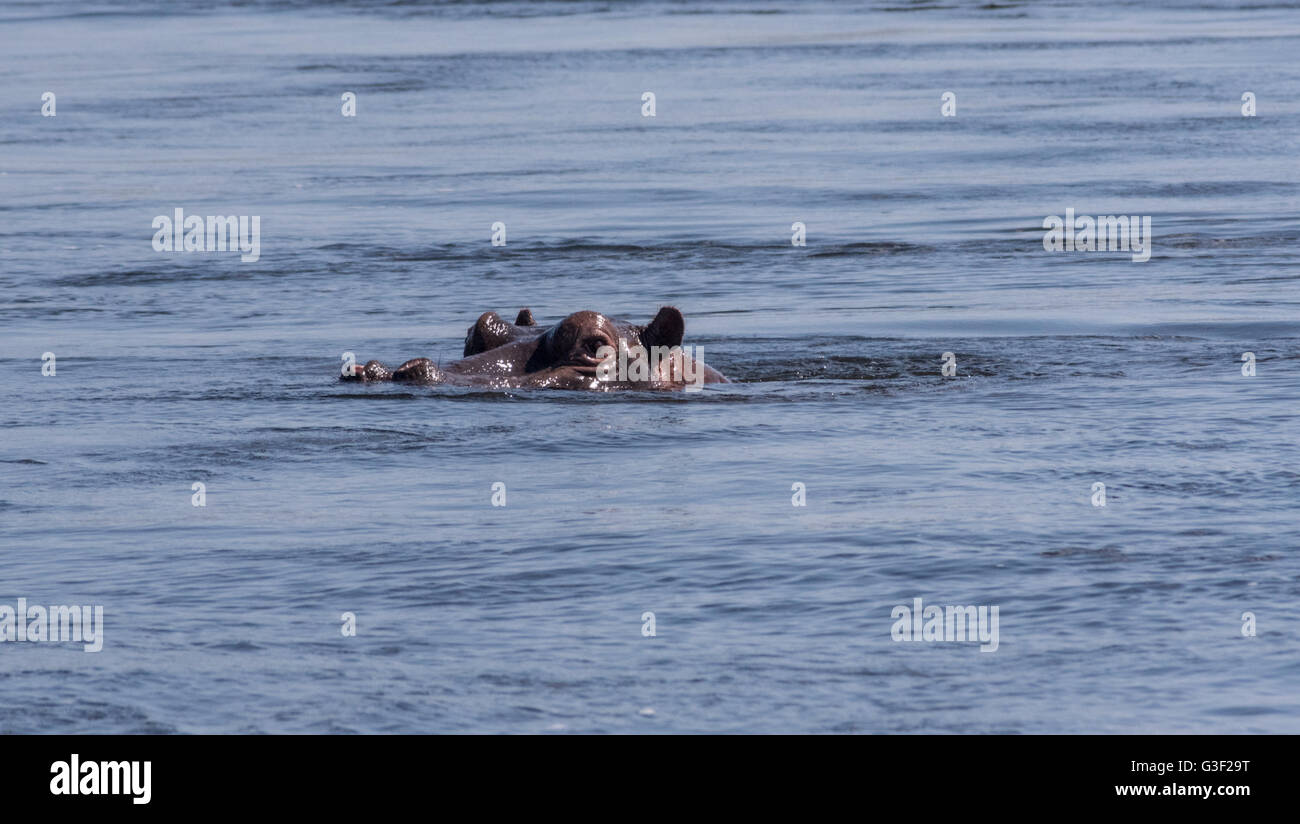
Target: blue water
(923, 237)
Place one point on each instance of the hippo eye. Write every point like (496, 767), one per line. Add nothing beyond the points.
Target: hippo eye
(592, 344)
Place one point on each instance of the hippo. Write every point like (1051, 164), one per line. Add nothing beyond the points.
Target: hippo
(586, 350)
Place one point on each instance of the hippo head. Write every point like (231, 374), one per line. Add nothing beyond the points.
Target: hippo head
(571, 351)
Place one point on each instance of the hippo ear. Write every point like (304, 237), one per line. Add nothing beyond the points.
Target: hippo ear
(488, 332)
(666, 329)
(525, 318)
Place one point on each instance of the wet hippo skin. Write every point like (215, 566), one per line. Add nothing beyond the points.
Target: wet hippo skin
(522, 354)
